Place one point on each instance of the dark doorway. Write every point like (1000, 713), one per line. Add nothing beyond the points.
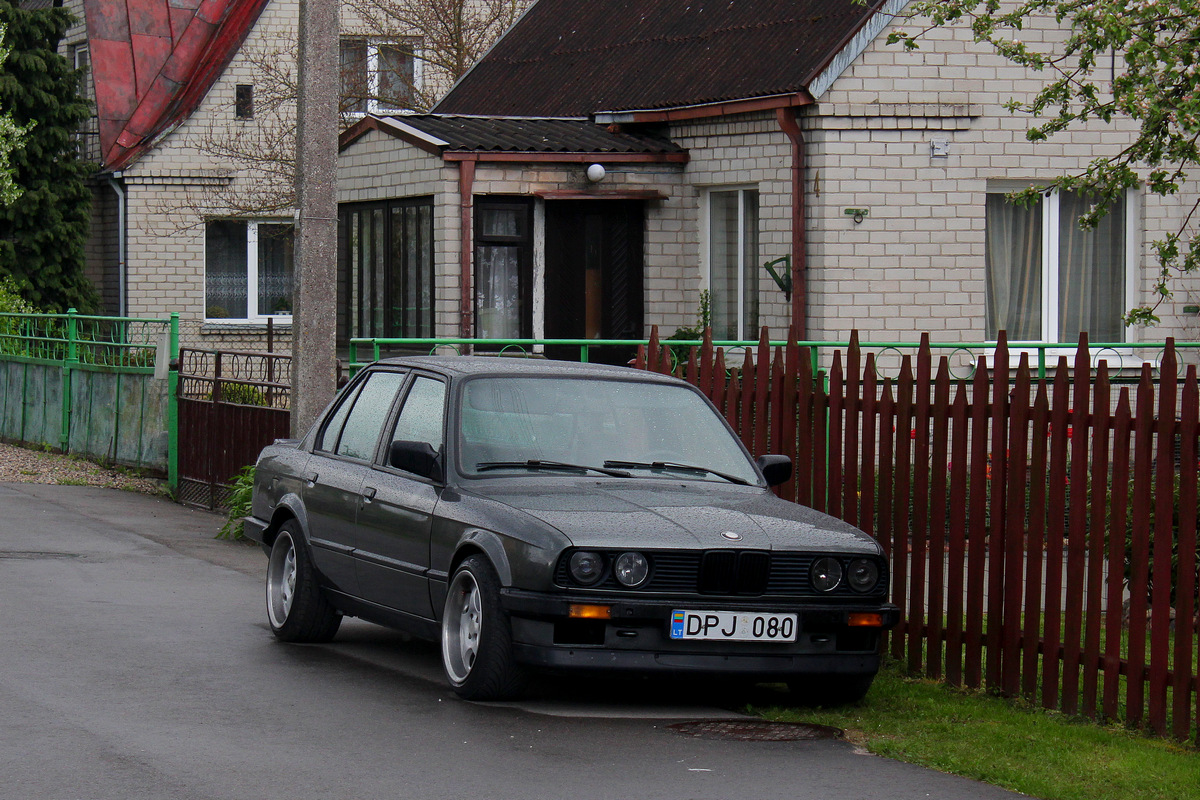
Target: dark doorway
(594, 275)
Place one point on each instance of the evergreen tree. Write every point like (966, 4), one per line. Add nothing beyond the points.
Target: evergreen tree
(42, 235)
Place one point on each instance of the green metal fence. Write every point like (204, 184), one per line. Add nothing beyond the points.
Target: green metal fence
(96, 386)
(962, 356)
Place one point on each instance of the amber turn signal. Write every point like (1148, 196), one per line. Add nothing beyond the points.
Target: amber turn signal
(580, 611)
(865, 620)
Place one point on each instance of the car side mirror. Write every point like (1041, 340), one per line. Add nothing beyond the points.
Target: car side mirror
(776, 469)
(418, 458)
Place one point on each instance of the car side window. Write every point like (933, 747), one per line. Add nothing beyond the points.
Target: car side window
(361, 432)
(327, 439)
(421, 419)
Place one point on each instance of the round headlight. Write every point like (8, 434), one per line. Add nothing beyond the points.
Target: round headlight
(826, 574)
(585, 567)
(631, 569)
(862, 575)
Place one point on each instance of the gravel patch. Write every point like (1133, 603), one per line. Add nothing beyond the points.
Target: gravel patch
(19, 465)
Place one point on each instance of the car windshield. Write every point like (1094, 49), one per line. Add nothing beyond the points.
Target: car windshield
(614, 427)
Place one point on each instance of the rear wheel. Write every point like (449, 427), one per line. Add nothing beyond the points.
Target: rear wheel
(477, 635)
(830, 689)
(296, 607)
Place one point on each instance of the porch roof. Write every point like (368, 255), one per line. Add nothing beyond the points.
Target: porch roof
(453, 137)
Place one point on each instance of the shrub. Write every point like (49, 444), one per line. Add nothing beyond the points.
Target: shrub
(11, 301)
(242, 394)
(239, 505)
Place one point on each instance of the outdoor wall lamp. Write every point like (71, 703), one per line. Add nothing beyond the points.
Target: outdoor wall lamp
(595, 173)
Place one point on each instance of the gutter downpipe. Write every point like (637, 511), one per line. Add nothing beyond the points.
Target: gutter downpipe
(114, 181)
(466, 184)
(789, 124)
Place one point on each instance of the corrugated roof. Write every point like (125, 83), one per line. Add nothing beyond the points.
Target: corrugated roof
(153, 61)
(529, 135)
(576, 57)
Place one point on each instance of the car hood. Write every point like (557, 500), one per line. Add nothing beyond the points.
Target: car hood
(651, 514)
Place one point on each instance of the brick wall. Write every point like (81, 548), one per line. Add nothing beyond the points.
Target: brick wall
(917, 262)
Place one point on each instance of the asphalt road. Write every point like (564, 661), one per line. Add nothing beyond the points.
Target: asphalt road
(135, 662)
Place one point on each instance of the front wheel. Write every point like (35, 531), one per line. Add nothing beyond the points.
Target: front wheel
(296, 607)
(477, 635)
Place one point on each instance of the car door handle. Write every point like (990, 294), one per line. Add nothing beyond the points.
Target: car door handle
(311, 478)
(368, 494)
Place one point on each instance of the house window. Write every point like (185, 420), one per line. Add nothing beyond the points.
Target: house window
(385, 269)
(733, 263)
(81, 56)
(1048, 280)
(377, 76)
(243, 101)
(503, 268)
(248, 269)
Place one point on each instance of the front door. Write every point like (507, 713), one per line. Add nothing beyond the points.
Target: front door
(594, 275)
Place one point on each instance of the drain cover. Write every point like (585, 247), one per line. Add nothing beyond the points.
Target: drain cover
(755, 730)
(33, 554)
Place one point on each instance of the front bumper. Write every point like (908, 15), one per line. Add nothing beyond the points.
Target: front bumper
(636, 636)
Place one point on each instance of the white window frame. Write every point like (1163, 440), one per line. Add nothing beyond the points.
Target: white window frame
(252, 312)
(1050, 206)
(706, 231)
(373, 80)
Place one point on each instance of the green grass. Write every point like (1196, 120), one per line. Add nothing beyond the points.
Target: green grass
(991, 739)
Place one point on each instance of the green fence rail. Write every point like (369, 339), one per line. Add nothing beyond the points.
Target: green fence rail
(963, 356)
(91, 385)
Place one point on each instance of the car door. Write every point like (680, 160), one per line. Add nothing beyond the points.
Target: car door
(343, 452)
(397, 513)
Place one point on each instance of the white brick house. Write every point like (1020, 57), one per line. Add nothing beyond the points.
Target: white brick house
(175, 82)
(788, 135)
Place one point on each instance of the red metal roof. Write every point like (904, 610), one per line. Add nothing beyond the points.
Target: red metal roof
(577, 57)
(153, 61)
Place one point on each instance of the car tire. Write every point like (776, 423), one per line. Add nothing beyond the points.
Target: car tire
(477, 635)
(297, 609)
(830, 689)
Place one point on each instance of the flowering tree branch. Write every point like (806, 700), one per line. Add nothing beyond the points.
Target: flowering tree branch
(1121, 59)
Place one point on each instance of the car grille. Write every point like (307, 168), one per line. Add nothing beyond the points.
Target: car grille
(749, 573)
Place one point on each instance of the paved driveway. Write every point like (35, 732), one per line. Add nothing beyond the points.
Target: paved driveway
(136, 663)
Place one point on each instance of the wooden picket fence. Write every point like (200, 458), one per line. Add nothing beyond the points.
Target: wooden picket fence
(1029, 521)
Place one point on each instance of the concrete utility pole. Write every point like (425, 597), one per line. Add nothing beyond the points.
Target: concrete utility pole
(314, 316)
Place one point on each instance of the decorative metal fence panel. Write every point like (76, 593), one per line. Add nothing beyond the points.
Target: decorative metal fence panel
(1040, 520)
(231, 405)
(95, 386)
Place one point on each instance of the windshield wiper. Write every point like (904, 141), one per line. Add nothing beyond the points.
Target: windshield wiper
(532, 463)
(674, 467)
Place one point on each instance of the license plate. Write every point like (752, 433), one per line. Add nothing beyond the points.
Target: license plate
(731, 626)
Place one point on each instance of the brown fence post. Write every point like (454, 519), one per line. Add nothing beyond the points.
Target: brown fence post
(938, 468)
(866, 495)
(1122, 427)
(1185, 581)
(837, 400)
(1076, 576)
(1038, 480)
(850, 442)
(1160, 619)
(1101, 424)
(1139, 578)
(920, 507)
(977, 526)
(1014, 529)
(956, 549)
(900, 501)
(1056, 504)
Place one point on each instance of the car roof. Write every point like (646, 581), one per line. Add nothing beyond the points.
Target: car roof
(464, 366)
